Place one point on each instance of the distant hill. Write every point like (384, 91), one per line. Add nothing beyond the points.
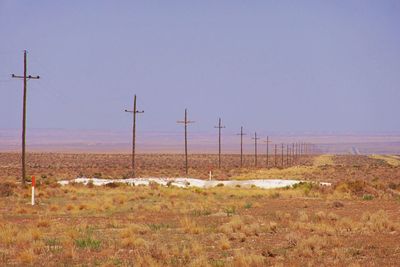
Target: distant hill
(61, 140)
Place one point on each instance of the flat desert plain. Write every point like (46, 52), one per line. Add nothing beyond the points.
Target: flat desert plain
(353, 222)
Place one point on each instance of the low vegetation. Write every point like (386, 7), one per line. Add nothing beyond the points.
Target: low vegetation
(353, 222)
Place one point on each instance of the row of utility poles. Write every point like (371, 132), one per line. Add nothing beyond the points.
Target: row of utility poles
(293, 153)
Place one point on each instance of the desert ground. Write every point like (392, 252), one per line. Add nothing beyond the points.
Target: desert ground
(353, 222)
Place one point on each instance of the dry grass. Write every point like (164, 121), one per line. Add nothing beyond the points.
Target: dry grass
(307, 225)
(323, 160)
(294, 172)
(390, 159)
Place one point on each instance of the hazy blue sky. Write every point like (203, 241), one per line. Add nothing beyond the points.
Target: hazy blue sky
(288, 66)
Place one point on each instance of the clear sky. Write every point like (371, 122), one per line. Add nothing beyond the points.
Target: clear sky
(282, 66)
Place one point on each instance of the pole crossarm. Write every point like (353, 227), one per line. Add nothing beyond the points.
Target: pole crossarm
(137, 111)
(219, 126)
(22, 77)
(185, 122)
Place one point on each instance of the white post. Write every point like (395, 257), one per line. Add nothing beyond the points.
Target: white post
(210, 176)
(33, 190)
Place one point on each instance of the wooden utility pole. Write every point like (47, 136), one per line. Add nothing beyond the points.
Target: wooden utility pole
(293, 154)
(267, 158)
(287, 155)
(301, 148)
(134, 112)
(25, 77)
(255, 138)
(282, 154)
(241, 146)
(186, 122)
(219, 141)
(275, 156)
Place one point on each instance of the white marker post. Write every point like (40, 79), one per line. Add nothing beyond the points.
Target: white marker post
(33, 190)
(210, 175)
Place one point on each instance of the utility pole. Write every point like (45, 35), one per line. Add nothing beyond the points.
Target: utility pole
(301, 148)
(267, 158)
(134, 112)
(275, 157)
(297, 152)
(186, 122)
(25, 77)
(219, 141)
(255, 138)
(282, 154)
(241, 146)
(287, 155)
(292, 153)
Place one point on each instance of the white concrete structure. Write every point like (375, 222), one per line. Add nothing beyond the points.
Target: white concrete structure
(191, 182)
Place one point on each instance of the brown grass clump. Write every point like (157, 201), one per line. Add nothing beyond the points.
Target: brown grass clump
(134, 242)
(201, 261)
(7, 189)
(54, 208)
(224, 243)
(234, 225)
(43, 223)
(292, 239)
(22, 211)
(36, 234)
(311, 246)
(134, 229)
(378, 221)
(303, 217)
(241, 259)
(190, 226)
(27, 256)
(7, 234)
(320, 215)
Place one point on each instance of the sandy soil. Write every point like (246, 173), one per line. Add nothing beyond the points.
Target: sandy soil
(353, 222)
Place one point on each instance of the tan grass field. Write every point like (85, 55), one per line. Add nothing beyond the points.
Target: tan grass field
(355, 222)
(393, 160)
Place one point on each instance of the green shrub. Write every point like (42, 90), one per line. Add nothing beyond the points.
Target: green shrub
(230, 211)
(88, 243)
(368, 197)
(248, 205)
